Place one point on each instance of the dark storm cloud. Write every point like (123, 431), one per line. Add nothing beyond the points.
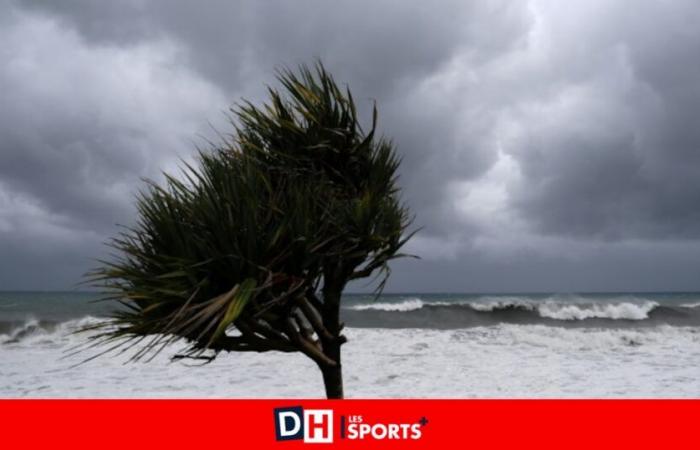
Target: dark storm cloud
(79, 126)
(529, 131)
(615, 154)
(385, 50)
(373, 43)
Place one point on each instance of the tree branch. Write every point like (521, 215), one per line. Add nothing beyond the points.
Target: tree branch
(314, 300)
(306, 332)
(314, 318)
(306, 347)
(264, 329)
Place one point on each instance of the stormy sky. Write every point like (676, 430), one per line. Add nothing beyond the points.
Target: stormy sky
(547, 145)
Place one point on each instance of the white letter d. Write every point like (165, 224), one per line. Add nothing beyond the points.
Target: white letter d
(283, 423)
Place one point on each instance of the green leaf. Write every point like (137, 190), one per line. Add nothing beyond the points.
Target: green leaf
(238, 298)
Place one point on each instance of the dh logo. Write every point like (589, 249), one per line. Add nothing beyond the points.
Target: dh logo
(311, 425)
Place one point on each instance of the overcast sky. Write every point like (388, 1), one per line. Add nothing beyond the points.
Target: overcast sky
(547, 145)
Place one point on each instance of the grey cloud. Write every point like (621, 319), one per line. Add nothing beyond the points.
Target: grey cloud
(382, 50)
(615, 267)
(623, 160)
(592, 104)
(80, 125)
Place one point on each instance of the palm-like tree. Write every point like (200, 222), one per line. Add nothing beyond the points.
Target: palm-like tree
(251, 248)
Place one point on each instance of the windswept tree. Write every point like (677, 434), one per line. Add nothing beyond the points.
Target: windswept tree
(251, 248)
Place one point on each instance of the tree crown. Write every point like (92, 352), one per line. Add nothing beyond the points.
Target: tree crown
(298, 198)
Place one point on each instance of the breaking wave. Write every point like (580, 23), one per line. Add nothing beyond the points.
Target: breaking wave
(691, 305)
(414, 312)
(44, 332)
(406, 305)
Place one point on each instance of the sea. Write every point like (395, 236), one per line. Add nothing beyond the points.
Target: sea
(602, 345)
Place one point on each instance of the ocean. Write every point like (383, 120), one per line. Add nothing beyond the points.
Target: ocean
(400, 345)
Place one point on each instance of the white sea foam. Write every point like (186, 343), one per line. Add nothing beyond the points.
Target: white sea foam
(410, 304)
(559, 309)
(495, 361)
(691, 305)
(569, 308)
(617, 311)
(30, 326)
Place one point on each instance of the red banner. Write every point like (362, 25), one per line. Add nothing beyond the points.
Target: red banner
(281, 424)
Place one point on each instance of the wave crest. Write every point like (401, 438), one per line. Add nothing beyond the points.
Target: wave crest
(32, 330)
(549, 309)
(411, 304)
(615, 311)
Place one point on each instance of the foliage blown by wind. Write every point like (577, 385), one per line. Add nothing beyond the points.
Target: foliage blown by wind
(230, 254)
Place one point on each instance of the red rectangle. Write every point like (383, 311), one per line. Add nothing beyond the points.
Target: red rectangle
(201, 424)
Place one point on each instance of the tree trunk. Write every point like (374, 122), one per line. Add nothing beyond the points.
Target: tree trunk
(333, 375)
